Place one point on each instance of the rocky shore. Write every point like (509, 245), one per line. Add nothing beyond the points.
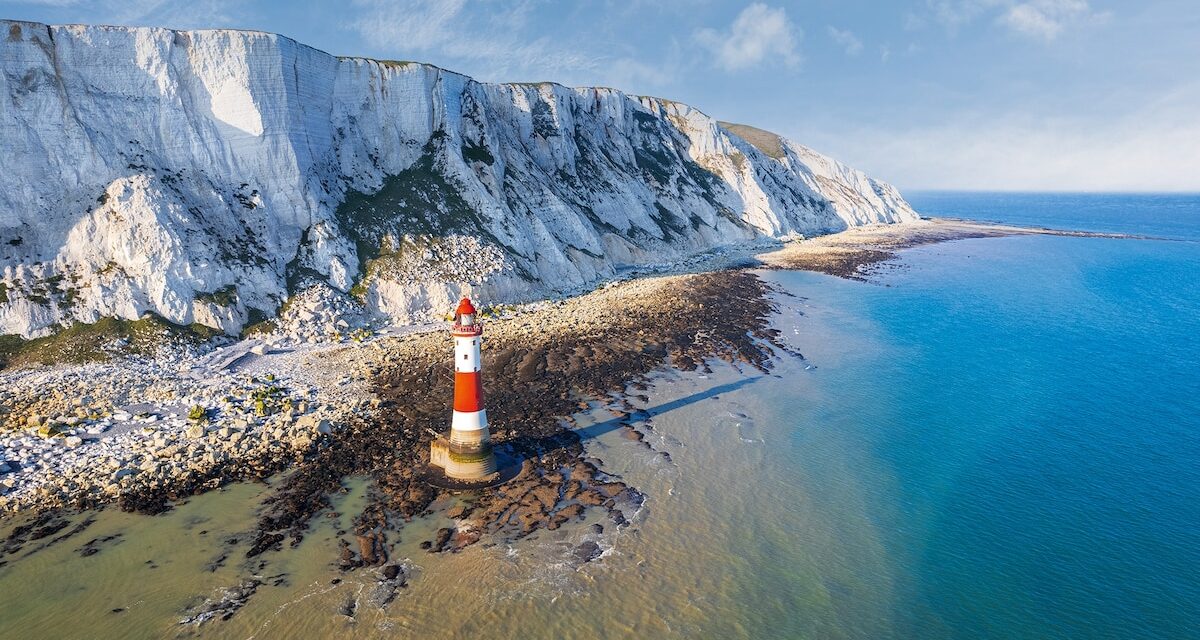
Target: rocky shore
(325, 394)
(142, 431)
(539, 368)
(364, 405)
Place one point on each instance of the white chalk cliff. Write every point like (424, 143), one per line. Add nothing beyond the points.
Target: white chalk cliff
(206, 175)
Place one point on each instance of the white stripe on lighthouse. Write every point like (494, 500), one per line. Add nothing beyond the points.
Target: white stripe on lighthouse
(468, 421)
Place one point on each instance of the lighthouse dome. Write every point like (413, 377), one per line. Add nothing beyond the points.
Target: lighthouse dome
(464, 316)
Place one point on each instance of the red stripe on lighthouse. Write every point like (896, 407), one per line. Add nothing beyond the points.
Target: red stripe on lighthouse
(468, 391)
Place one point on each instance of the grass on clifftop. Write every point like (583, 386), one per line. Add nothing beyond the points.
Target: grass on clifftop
(765, 141)
(81, 343)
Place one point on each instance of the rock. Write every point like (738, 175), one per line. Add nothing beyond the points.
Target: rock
(349, 606)
(591, 497)
(440, 539)
(73, 441)
(123, 473)
(392, 571)
(587, 551)
(302, 441)
(319, 426)
(195, 431)
(259, 349)
(370, 547)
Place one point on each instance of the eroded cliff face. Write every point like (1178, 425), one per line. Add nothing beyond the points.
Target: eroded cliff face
(206, 175)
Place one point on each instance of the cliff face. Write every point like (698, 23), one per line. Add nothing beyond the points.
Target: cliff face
(206, 175)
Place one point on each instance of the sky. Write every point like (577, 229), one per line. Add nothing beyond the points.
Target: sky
(1048, 95)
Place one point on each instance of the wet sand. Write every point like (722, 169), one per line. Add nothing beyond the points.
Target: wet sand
(852, 253)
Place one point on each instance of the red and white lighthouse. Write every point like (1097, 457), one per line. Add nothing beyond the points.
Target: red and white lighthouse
(469, 425)
(468, 454)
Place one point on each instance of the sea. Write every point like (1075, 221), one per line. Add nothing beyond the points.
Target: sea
(988, 438)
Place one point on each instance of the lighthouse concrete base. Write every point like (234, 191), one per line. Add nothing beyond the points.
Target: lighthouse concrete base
(476, 463)
(500, 467)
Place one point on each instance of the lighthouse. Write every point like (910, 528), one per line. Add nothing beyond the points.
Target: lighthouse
(467, 454)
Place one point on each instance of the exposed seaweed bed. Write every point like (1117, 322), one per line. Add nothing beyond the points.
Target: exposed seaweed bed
(539, 368)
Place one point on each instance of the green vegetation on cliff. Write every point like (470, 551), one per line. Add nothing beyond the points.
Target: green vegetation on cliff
(81, 343)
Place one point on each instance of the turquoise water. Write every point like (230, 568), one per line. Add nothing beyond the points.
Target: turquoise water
(1025, 413)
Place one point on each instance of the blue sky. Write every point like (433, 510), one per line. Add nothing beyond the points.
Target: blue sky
(967, 94)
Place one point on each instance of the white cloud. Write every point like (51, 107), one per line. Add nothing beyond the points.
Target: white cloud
(48, 3)
(1046, 19)
(194, 14)
(490, 42)
(1153, 148)
(757, 33)
(846, 39)
(1041, 19)
(419, 25)
(953, 14)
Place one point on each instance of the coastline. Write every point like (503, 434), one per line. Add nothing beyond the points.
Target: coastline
(851, 253)
(369, 407)
(329, 400)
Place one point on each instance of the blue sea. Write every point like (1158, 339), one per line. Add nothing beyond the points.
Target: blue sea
(1021, 417)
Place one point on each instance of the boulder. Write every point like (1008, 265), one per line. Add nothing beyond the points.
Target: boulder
(587, 551)
(441, 538)
(124, 473)
(319, 426)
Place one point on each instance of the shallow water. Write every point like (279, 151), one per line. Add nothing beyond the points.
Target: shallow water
(999, 439)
